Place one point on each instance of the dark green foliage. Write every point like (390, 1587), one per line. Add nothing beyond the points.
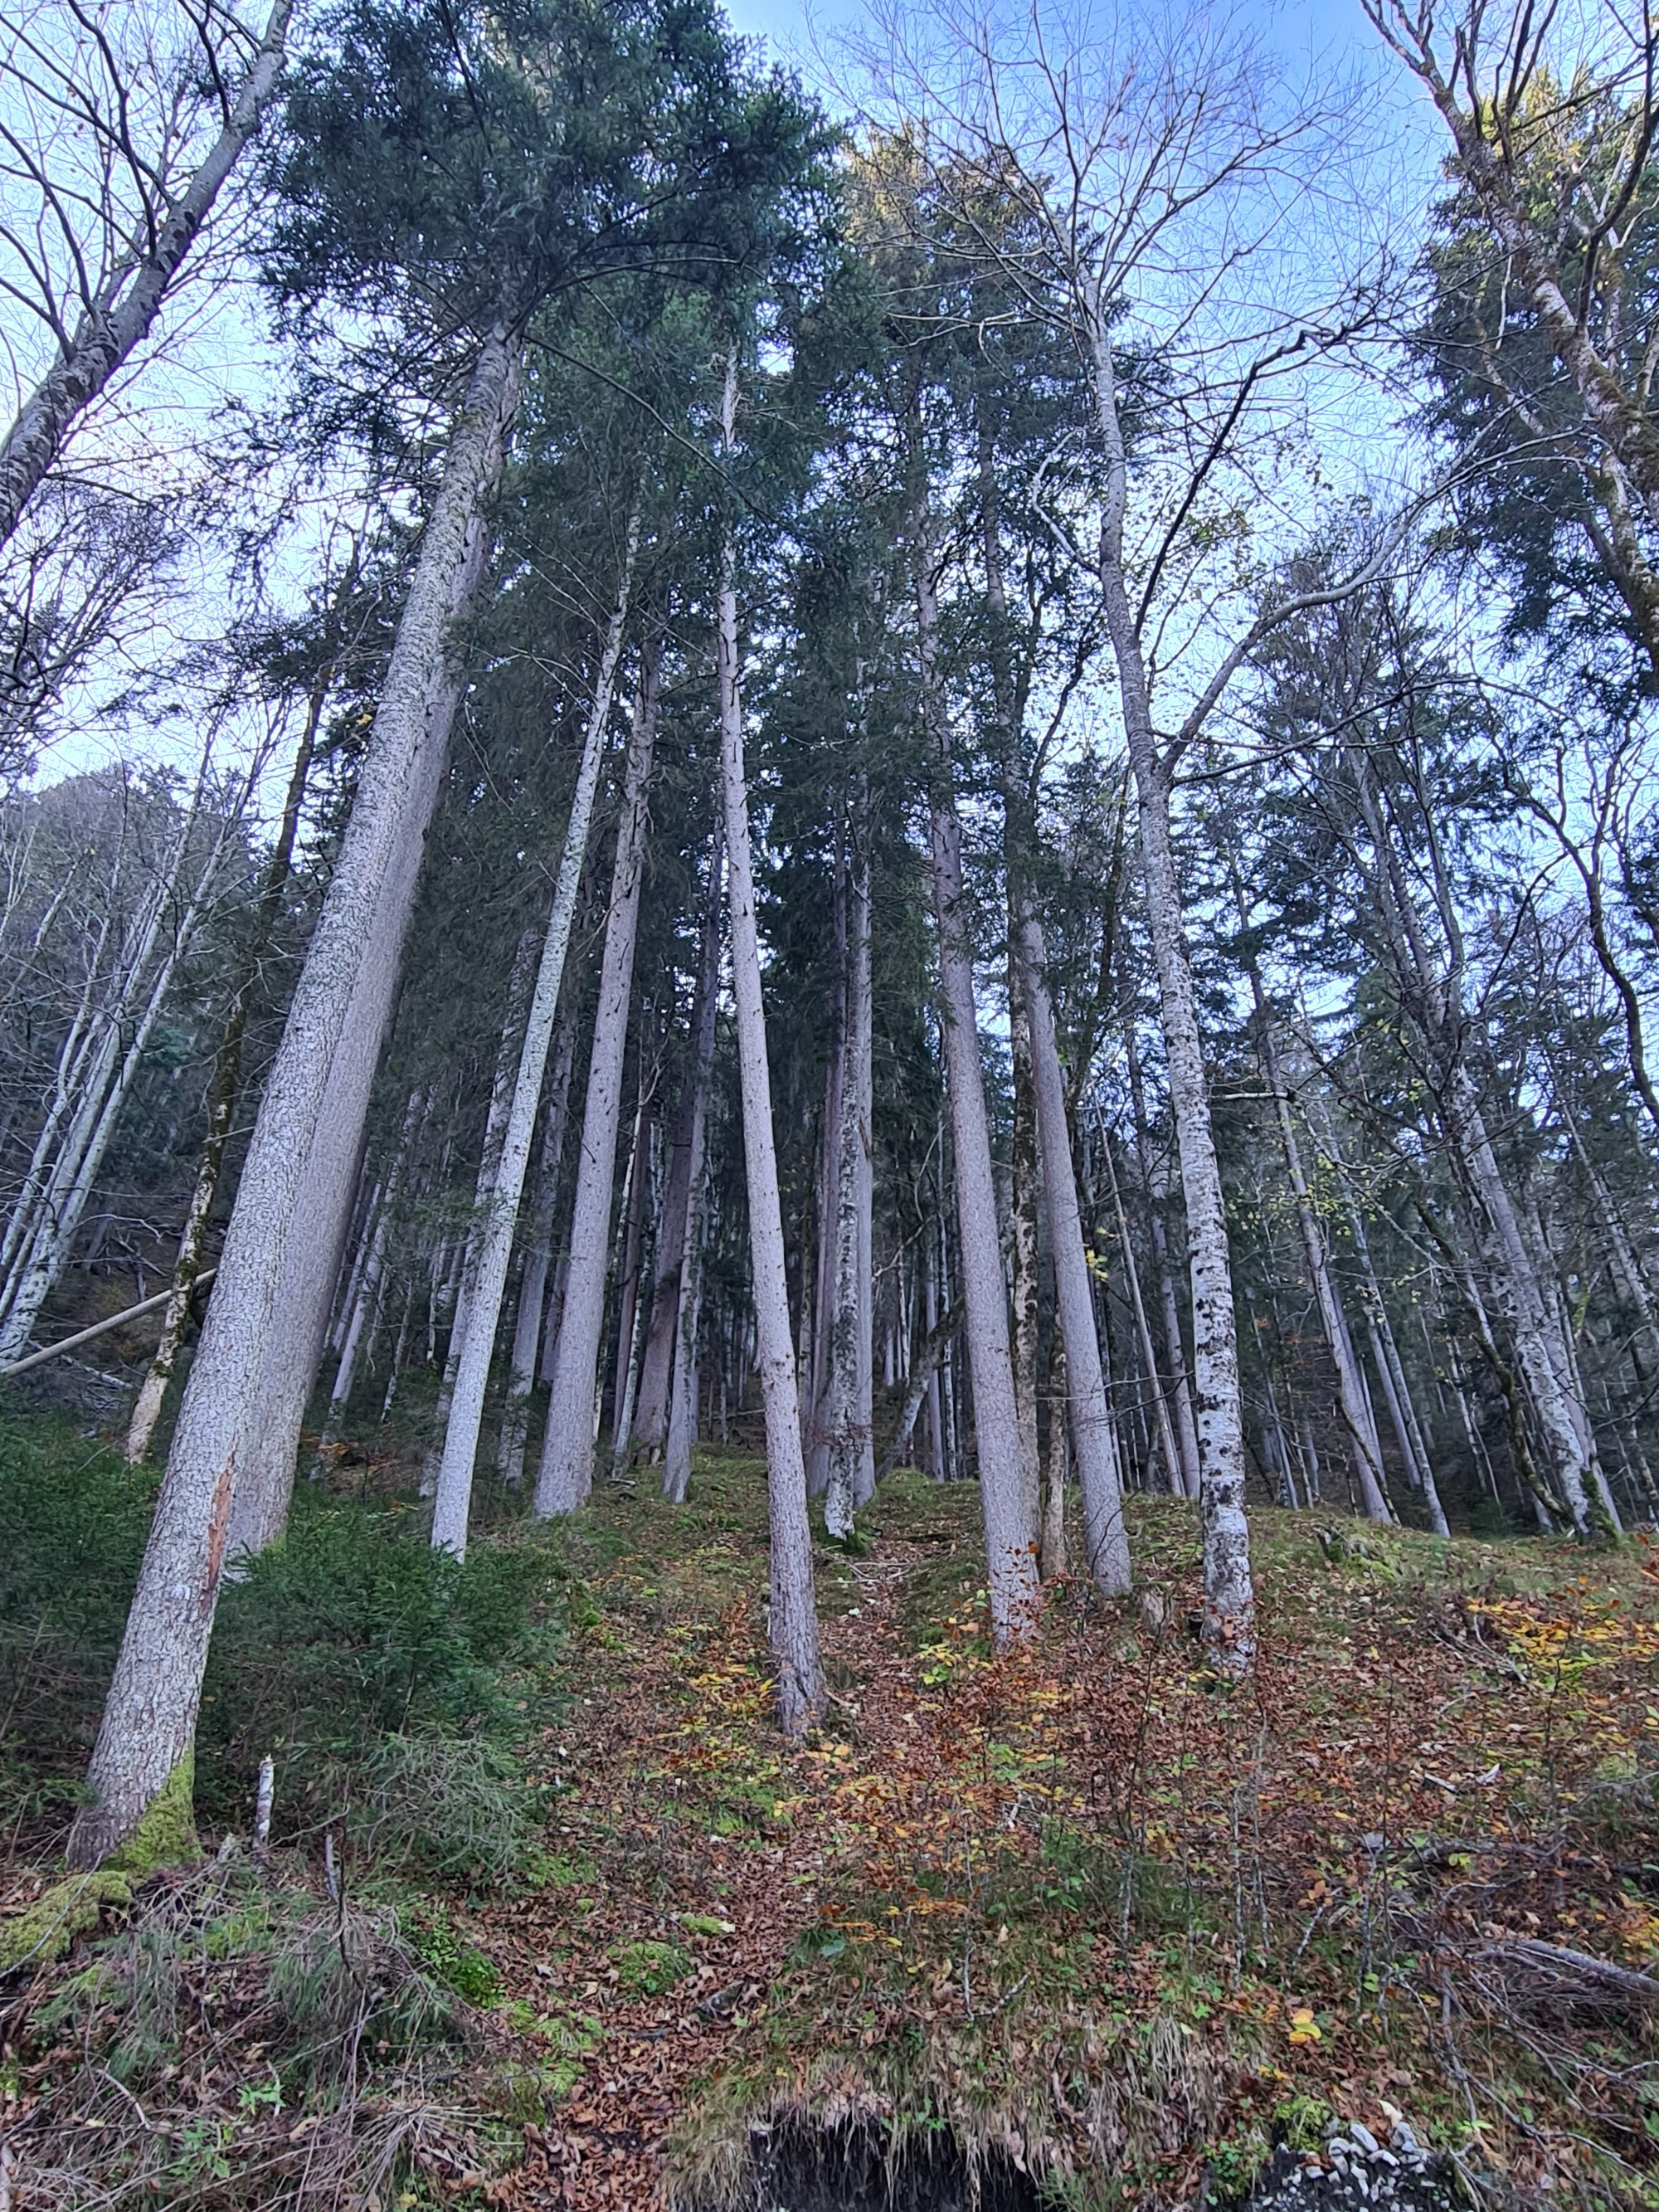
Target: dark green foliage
(354, 1632)
(75, 1516)
(390, 1683)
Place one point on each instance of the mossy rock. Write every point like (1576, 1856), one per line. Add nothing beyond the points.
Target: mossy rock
(73, 1907)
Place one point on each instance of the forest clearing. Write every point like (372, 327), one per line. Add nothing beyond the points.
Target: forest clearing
(829, 1159)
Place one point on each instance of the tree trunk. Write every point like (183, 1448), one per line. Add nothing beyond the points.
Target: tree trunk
(628, 1277)
(852, 1466)
(108, 332)
(651, 1414)
(1364, 1445)
(1106, 1537)
(1024, 1192)
(75, 1171)
(567, 1468)
(424, 689)
(226, 1080)
(452, 1502)
(1168, 1448)
(1229, 1596)
(538, 1261)
(793, 1624)
(682, 1432)
(1009, 1539)
(145, 1742)
(1175, 1351)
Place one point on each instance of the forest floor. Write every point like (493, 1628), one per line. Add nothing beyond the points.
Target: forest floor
(1086, 1912)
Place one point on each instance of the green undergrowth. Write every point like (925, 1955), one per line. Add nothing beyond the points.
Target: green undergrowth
(238, 2040)
(395, 1689)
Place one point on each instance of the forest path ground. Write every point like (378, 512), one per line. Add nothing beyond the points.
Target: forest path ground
(1082, 1908)
(751, 1883)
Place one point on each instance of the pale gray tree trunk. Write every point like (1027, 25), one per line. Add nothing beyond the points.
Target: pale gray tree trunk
(424, 690)
(651, 1413)
(453, 1500)
(1412, 1442)
(115, 978)
(682, 1432)
(537, 1263)
(1010, 1539)
(1181, 1396)
(1025, 1195)
(1511, 1265)
(145, 1741)
(362, 1316)
(851, 1472)
(634, 1198)
(122, 317)
(75, 1170)
(483, 1197)
(1094, 1439)
(1365, 1446)
(1169, 1451)
(566, 1475)
(816, 1410)
(793, 1624)
(1228, 1596)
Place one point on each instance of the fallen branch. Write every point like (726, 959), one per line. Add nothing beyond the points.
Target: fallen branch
(99, 1328)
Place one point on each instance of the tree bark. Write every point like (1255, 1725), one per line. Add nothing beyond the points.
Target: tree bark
(1175, 1351)
(852, 1465)
(423, 690)
(794, 1623)
(41, 1260)
(567, 1469)
(537, 1263)
(1365, 1446)
(1094, 1438)
(1009, 1539)
(146, 1739)
(227, 1080)
(453, 1501)
(1229, 1612)
(651, 1414)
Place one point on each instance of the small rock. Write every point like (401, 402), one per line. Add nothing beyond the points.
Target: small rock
(1363, 2136)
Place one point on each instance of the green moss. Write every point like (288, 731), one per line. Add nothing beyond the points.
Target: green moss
(166, 1834)
(1301, 2123)
(51, 1924)
(648, 1969)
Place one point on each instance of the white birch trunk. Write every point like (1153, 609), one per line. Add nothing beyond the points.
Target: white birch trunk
(1228, 1596)
(566, 1475)
(145, 1741)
